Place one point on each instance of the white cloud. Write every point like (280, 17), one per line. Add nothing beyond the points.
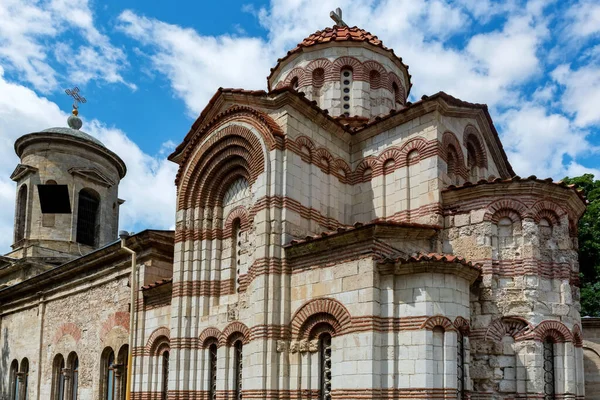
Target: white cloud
(27, 27)
(584, 18)
(538, 142)
(148, 187)
(197, 65)
(582, 92)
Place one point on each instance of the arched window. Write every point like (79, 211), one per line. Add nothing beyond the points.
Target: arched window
(58, 378)
(87, 217)
(374, 80)
(325, 366)
(21, 214)
(452, 165)
(74, 377)
(121, 379)
(238, 368)
(165, 375)
(294, 83)
(24, 379)
(14, 380)
(235, 249)
(396, 91)
(109, 375)
(346, 81)
(438, 357)
(472, 161)
(548, 367)
(212, 384)
(460, 364)
(318, 77)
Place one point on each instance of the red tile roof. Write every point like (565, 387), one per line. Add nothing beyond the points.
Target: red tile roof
(340, 34)
(430, 257)
(157, 283)
(517, 178)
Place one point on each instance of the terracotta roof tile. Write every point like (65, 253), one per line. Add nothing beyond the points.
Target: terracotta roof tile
(157, 284)
(430, 257)
(339, 34)
(517, 178)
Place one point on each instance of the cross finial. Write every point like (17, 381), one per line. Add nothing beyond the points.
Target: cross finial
(74, 93)
(337, 17)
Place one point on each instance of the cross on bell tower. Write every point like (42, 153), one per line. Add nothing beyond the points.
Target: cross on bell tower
(337, 17)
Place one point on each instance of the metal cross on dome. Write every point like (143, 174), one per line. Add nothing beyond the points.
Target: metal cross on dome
(74, 93)
(337, 17)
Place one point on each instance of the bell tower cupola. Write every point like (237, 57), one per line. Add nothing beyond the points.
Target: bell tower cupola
(67, 192)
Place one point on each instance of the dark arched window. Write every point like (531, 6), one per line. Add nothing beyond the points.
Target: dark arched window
(235, 248)
(23, 387)
(121, 380)
(294, 83)
(325, 366)
(549, 379)
(165, 375)
(374, 79)
(58, 378)
(74, 376)
(87, 217)
(318, 77)
(108, 377)
(472, 161)
(452, 165)
(21, 214)
(460, 364)
(396, 91)
(14, 380)
(212, 384)
(238, 368)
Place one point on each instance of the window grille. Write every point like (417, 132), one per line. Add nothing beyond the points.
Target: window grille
(87, 216)
(549, 381)
(213, 372)
(325, 364)
(460, 367)
(238, 360)
(165, 375)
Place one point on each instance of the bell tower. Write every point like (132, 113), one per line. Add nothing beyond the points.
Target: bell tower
(67, 201)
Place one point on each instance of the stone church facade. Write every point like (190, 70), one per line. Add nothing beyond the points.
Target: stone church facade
(333, 241)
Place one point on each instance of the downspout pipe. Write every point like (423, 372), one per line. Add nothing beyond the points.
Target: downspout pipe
(132, 308)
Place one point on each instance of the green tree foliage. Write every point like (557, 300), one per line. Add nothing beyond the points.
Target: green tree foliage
(589, 245)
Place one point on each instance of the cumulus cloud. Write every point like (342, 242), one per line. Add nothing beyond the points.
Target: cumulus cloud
(581, 94)
(197, 65)
(148, 188)
(79, 47)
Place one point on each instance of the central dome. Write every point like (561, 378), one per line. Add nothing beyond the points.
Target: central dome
(347, 71)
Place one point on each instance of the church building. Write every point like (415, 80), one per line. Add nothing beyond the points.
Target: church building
(333, 240)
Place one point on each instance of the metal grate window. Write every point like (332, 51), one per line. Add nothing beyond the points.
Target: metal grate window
(460, 367)
(325, 364)
(87, 217)
(213, 372)
(239, 366)
(549, 370)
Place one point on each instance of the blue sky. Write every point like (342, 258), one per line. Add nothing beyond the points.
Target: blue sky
(148, 68)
